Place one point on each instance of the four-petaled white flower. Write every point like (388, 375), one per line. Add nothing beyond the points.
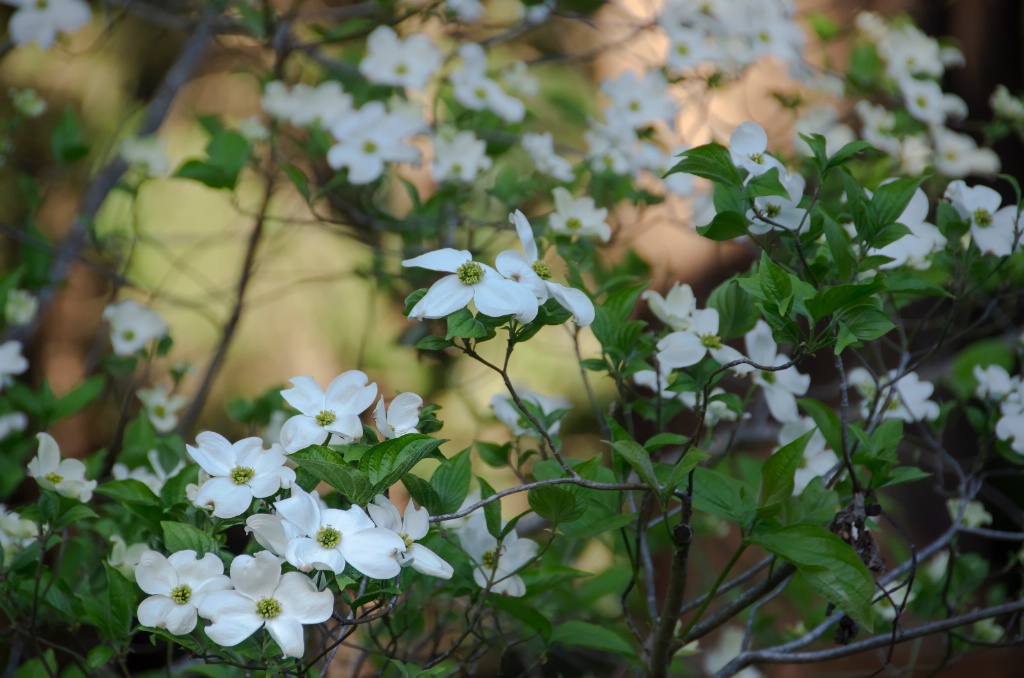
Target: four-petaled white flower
(994, 382)
(496, 565)
(323, 413)
(578, 216)
(470, 281)
(747, 146)
(639, 101)
(240, 472)
(154, 478)
(149, 154)
(535, 274)
(474, 90)
(391, 60)
(410, 529)
(370, 137)
(459, 156)
(781, 386)
(66, 477)
(685, 348)
(329, 538)
(772, 211)
(541, 150)
(401, 417)
(508, 413)
(11, 361)
(974, 515)
(15, 532)
(162, 407)
(125, 558)
(994, 230)
(132, 326)
(39, 21)
(264, 597)
(21, 307)
(905, 398)
(676, 308)
(915, 248)
(177, 586)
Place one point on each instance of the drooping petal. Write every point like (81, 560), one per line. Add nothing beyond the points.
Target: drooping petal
(300, 432)
(574, 301)
(497, 297)
(305, 395)
(426, 561)
(227, 499)
(155, 575)
(444, 297)
(302, 510)
(213, 452)
(163, 613)
(347, 521)
(385, 514)
(416, 522)
(256, 576)
(525, 232)
(373, 552)
(514, 266)
(404, 412)
(300, 599)
(680, 349)
(287, 632)
(446, 260)
(268, 531)
(233, 615)
(308, 554)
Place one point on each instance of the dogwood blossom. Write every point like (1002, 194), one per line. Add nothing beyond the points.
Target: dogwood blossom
(640, 100)
(685, 348)
(780, 387)
(878, 126)
(149, 154)
(21, 307)
(329, 538)
(610, 145)
(915, 248)
(27, 102)
(263, 597)
(40, 22)
(535, 274)
(772, 211)
(994, 230)
(817, 460)
(578, 216)
(508, 413)
(324, 413)
(15, 532)
(401, 417)
(958, 155)
(461, 156)
(408, 62)
(12, 422)
(124, 558)
(474, 90)
(11, 361)
(470, 281)
(369, 138)
(676, 308)
(974, 513)
(540, 148)
(747, 147)
(496, 564)
(66, 477)
(906, 399)
(153, 477)
(162, 407)
(716, 410)
(413, 527)
(132, 326)
(177, 586)
(994, 382)
(239, 472)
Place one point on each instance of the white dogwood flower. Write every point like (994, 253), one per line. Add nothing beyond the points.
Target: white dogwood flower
(66, 477)
(676, 308)
(401, 417)
(369, 138)
(470, 281)
(125, 558)
(496, 566)
(262, 596)
(329, 538)
(474, 90)
(21, 307)
(40, 21)
(11, 361)
(461, 156)
(408, 62)
(177, 586)
(535, 274)
(323, 413)
(908, 398)
(413, 527)
(239, 472)
(578, 216)
(132, 326)
(780, 387)
(162, 407)
(994, 230)
(685, 348)
(747, 146)
(541, 150)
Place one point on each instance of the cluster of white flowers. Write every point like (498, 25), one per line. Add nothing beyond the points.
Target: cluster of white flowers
(996, 384)
(517, 288)
(903, 396)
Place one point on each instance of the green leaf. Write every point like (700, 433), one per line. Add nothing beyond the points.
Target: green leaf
(829, 565)
(766, 184)
(451, 481)
(711, 161)
(463, 324)
(839, 246)
(493, 454)
(723, 496)
(775, 283)
(827, 422)
(889, 200)
(121, 603)
(326, 465)
(74, 514)
(682, 469)
(413, 299)
(99, 656)
(585, 634)
(67, 142)
(298, 179)
(660, 440)
(183, 537)
(640, 459)
(129, 491)
(725, 226)
(385, 464)
(554, 504)
(862, 322)
(828, 300)
(845, 154)
(492, 511)
(737, 313)
(433, 343)
(526, 613)
(77, 399)
(779, 469)
(227, 153)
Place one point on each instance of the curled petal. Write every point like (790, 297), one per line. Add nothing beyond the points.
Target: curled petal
(426, 561)
(373, 552)
(287, 632)
(574, 301)
(385, 514)
(525, 232)
(227, 499)
(300, 432)
(302, 510)
(417, 521)
(446, 260)
(161, 612)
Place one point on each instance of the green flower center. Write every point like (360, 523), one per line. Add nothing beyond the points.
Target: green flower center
(407, 539)
(326, 417)
(401, 69)
(160, 411)
(369, 147)
(328, 537)
(470, 273)
(54, 477)
(711, 340)
(268, 608)
(128, 335)
(982, 217)
(42, 4)
(921, 102)
(480, 93)
(764, 36)
(634, 106)
(542, 269)
(895, 403)
(457, 168)
(682, 49)
(756, 157)
(181, 593)
(772, 210)
(573, 224)
(240, 475)
(768, 377)
(490, 559)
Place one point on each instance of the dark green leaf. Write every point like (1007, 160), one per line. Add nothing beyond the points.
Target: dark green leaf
(711, 161)
(121, 602)
(737, 313)
(78, 398)
(585, 634)
(129, 491)
(492, 511)
(554, 504)
(779, 469)
(640, 459)
(183, 537)
(385, 464)
(451, 481)
(723, 496)
(67, 142)
(725, 226)
(326, 465)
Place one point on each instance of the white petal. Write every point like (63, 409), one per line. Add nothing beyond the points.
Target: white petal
(498, 297)
(680, 349)
(385, 514)
(214, 453)
(302, 510)
(525, 232)
(155, 574)
(48, 455)
(426, 561)
(404, 413)
(256, 576)
(444, 297)
(233, 615)
(163, 613)
(227, 499)
(373, 552)
(300, 432)
(305, 395)
(447, 260)
(300, 600)
(574, 301)
(268, 531)
(307, 554)
(287, 632)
